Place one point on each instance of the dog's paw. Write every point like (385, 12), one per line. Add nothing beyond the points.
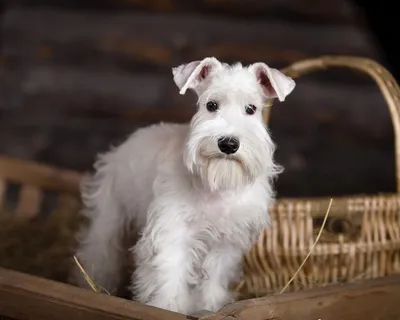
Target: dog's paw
(181, 304)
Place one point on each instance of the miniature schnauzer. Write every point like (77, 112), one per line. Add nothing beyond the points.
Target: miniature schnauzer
(199, 193)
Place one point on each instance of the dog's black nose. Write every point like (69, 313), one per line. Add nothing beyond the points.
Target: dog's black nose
(228, 145)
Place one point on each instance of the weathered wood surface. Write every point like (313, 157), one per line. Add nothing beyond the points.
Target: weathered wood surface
(74, 82)
(330, 136)
(118, 40)
(39, 175)
(323, 11)
(52, 87)
(372, 299)
(26, 297)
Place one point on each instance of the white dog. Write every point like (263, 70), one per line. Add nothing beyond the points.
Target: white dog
(199, 193)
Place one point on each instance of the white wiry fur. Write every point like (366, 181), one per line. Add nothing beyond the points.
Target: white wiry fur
(198, 209)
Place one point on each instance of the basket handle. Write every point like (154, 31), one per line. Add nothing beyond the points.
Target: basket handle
(385, 81)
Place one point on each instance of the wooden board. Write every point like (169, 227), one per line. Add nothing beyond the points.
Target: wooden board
(323, 11)
(372, 299)
(54, 88)
(39, 175)
(24, 297)
(117, 40)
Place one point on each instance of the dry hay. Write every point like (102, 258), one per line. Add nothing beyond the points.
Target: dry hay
(42, 247)
(311, 249)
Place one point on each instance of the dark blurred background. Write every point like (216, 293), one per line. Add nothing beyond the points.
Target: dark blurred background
(77, 76)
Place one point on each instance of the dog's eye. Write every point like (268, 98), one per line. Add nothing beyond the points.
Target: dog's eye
(251, 109)
(212, 106)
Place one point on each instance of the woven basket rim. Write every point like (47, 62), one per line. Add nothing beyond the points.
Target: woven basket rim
(385, 81)
(341, 197)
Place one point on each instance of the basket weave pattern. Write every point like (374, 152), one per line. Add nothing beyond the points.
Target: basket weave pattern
(361, 239)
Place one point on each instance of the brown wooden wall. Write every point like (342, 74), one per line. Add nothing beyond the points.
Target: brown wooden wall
(77, 76)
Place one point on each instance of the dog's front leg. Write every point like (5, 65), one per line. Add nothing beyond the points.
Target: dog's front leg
(163, 265)
(222, 265)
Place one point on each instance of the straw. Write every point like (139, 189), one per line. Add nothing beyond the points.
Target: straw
(91, 283)
(312, 248)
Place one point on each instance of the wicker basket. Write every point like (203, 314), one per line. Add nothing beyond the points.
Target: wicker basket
(361, 238)
(33, 182)
(38, 218)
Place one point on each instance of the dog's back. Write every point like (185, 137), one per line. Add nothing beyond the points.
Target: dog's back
(136, 162)
(117, 195)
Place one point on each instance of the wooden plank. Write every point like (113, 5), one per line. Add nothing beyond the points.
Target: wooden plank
(135, 115)
(96, 93)
(48, 87)
(48, 177)
(26, 297)
(323, 11)
(3, 187)
(117, 40)
(36, 82)
(371, 299)
(29, 201)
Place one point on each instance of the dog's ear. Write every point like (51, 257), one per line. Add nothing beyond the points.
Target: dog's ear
(273, 82)
(191, 75)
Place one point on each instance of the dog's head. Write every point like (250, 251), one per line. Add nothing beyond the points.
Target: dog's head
(228, 145)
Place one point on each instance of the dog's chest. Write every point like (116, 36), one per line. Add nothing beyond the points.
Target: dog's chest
(218, 203)
(215, 215)
(216, 206)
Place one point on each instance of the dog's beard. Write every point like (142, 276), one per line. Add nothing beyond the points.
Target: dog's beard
(222, 173)
(218, 171)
